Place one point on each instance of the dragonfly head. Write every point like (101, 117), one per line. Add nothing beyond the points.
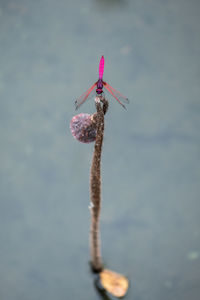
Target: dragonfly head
(99, 91)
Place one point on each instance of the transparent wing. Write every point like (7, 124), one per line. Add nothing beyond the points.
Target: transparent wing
(117, 95)
(84, 96)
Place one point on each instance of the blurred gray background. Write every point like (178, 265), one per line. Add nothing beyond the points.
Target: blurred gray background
(150, 224)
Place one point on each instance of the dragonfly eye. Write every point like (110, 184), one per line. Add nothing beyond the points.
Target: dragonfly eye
(83, 128)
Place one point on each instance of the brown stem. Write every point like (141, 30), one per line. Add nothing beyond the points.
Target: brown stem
(95, 186)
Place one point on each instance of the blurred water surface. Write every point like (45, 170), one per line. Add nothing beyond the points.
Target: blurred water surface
(49, 54)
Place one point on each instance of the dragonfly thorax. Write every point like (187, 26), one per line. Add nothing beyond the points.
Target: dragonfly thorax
(99, 89)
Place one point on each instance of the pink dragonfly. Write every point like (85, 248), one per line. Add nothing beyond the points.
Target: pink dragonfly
(99, 89)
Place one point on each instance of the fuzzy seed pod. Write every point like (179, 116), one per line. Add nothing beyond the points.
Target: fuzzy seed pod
(83, 127)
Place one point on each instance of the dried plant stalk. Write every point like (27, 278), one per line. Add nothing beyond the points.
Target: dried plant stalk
(95, 186)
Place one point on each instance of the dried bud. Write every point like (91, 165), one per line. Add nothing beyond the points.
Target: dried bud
(83, 127)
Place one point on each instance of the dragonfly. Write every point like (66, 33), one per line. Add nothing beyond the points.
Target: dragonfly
(99, 85)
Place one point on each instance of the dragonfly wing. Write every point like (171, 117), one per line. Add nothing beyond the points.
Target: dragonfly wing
(84, 96)
(117, 95)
